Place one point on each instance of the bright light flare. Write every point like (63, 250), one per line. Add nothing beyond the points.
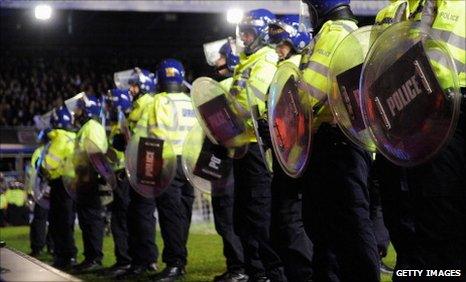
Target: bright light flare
(234, 15)
(43, 12)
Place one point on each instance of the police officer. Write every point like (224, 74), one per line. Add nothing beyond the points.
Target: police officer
(287, 232)
(141, 220)
(57, 164)
(89, 207)
(39, 236)
(335, 197)
(424, 206)
(172, 116)
(118, 105)
(222, 197)
(252, 208)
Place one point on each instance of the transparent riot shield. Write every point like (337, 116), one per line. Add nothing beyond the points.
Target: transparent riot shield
(206, 165)
(257, 116)
(124, 126)
(43, 121)
(211, 51)
(409, 93)
(343, 92)
(289, 119)
(220, 116)
(121, 78)
(37, 184)
(100, 163)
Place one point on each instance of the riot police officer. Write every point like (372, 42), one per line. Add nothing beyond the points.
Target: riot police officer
(39, 234)
(252, 208)
(223, 197)
(57, 164)
(172, 116)
(88, 202)
(424, 205)
(287, 231)
(141, 220)
(335, 197)
(118, 104)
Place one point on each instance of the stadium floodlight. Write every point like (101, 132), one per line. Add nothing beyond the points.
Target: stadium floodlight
(43, 12)
(234, 15)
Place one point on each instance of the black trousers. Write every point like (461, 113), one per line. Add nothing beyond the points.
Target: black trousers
(91, 216)
(287, 232)
(435, 193)
(62, 216)
(376, 215)
(336, 210)
(141, 229)
(175, 207)
(252, 214)
(222, 204)
(119, 222)
(39, 236)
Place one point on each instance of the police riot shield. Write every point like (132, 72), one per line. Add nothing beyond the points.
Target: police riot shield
(150, 165)
(43, 121)
(409, 93)
(100, 163)
(37, 183)
(211, 51)
(69, 178)
(121, 78)
(289, 120)
(220, 116)
(124, 126)
(258, 116)
(343, 92)
(206, 165)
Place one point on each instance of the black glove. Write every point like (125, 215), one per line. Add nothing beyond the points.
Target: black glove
(119, 142)
(264, 132)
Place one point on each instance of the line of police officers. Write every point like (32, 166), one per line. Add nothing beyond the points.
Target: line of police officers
(274, 228)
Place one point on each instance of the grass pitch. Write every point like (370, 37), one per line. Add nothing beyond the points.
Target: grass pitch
(205, 252)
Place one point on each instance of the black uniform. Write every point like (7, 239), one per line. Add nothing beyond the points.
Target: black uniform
(118, 223)
(222, 204)
(141, 227)
(91, 216)
(174, 208)
(434, 197)
(252, 215)
(336, 209)
(38, 234)
(62, 217)
(287, 232)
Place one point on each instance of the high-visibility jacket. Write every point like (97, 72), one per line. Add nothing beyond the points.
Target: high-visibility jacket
(36, 155)
(59, 152)
(16, 197)
(447, 19)
(226, 84)
(116, 158)
(91, 138)
(171, 117)
(254, 72)
(294, 59)
(315, 63)
(139, 116)
(3, 201)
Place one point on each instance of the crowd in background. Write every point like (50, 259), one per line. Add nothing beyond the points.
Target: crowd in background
(34, 85)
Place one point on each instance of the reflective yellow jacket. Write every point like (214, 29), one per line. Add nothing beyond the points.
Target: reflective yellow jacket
(171, 117)
(315, 63)
(254, 72)
(61, 149)
(139, 116)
